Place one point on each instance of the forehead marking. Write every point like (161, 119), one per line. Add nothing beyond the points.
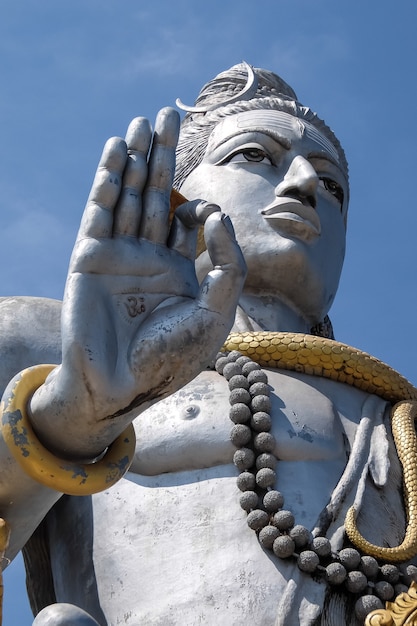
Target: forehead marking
(313, 133)
(276, 120)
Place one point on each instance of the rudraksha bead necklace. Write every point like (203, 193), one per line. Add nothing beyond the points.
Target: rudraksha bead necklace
(250, 408)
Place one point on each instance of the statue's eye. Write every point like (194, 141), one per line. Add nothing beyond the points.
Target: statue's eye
(334, 188)
(253, 155)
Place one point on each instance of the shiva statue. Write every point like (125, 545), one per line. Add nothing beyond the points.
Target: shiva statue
(183, 440)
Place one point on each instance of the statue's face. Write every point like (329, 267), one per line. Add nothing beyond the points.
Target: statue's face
(280, 181)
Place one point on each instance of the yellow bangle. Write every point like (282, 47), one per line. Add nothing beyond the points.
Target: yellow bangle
(76, 479)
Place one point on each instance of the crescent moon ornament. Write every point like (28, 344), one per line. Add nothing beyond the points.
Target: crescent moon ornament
(247, 93)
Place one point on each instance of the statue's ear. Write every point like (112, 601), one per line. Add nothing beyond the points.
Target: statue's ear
(323, 329)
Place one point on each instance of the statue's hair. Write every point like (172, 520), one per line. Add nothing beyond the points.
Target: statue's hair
(272, 93)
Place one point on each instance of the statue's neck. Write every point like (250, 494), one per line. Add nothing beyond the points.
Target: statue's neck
(268, 313)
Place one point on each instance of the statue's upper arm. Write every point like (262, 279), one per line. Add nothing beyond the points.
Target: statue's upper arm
(29, 334)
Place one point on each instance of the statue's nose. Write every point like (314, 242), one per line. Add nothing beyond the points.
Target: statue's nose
(301, 181)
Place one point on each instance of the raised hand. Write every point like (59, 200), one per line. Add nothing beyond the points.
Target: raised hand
(136, 325)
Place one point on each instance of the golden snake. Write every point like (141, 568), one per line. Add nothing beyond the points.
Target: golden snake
(331, 359)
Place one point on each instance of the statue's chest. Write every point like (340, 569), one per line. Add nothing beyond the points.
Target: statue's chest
(191, 428)
(171, 544)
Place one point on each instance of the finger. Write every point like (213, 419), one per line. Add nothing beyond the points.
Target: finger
(155, 210)
(129, 207)
(221, 288)
(97, 220)
(184, 229)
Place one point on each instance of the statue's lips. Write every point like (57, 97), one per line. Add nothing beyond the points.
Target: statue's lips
(290, 209)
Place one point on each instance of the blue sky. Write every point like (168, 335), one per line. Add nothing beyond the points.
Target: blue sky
(74, 72)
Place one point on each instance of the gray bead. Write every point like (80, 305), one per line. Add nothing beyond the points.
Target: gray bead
(284, 520)
(239, 395)
(365, 605)
(283, 546)
(266, 459)
(370, 567)
(273, 501)
(265, 477)
(261, 421)
(259, 389)
(234, 355)
(238, 382)
(349, 558)
(308, 561)
(243, 458)
(250, 367)
(243, 359)
(220, 364)
(257, 376)
(356, 581)
(231, 369)
(410, 574)
(261, 403)
(249, 500)
(321, 546)
(246, 481)
(264, 442)
(240, 435)
(257, 519)
(240, 413)
(390, 573)
(335, 574)
(267, 536)
(300, 535)
(400, 588)
(384, 590)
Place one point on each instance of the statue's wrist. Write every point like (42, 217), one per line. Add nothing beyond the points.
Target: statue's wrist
(64, 420)
(40, 463)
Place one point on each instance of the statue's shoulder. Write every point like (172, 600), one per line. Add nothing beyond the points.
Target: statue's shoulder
(22, 301)
(34, 303)
(29, 334)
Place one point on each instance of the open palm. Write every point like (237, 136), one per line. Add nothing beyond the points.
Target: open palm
(136, 325)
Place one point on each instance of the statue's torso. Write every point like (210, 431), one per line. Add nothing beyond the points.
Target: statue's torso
(170, 543)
